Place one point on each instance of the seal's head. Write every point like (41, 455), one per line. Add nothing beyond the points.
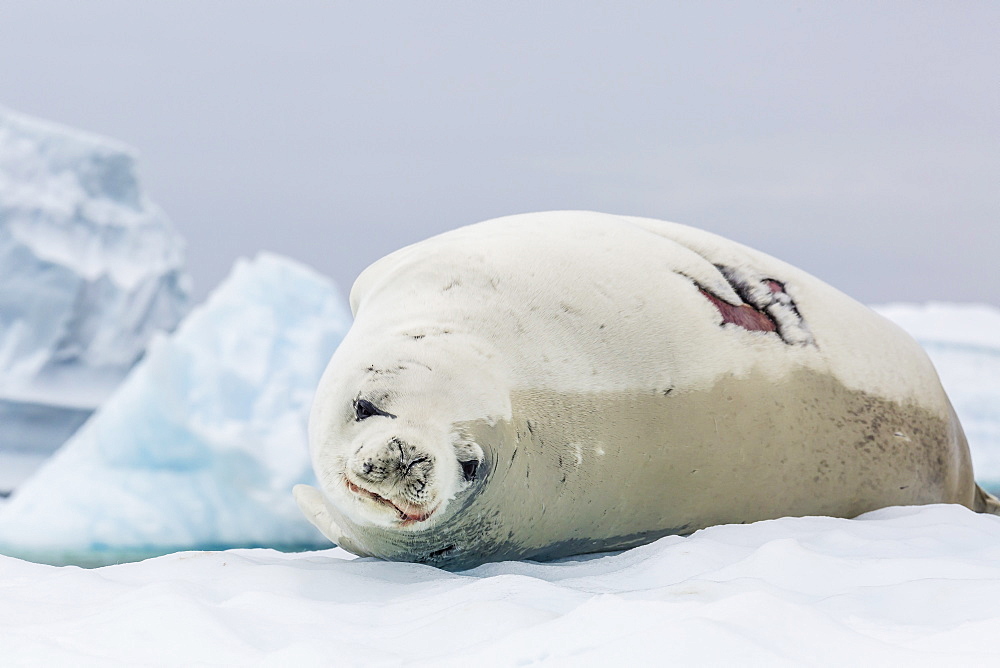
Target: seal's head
(388, 429)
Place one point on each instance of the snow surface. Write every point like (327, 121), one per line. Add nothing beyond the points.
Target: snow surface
(201, 445)
(902, 586)
(89, 271)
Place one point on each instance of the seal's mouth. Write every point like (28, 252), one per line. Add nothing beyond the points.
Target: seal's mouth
(407, 514)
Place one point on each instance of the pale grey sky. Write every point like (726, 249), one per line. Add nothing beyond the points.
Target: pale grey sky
(858, 140)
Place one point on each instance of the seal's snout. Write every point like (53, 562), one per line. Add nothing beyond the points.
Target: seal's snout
(397, 477)
(394, 461)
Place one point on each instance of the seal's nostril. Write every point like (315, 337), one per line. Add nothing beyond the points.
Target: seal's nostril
(367, 467)
(416, 461)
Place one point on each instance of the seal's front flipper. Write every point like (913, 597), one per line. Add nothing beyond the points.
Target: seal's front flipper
(313, 505)
(986, 502)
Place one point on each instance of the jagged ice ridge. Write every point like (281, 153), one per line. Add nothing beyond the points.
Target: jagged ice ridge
(90, 269)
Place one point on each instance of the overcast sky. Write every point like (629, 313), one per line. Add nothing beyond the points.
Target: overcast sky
(858, 140)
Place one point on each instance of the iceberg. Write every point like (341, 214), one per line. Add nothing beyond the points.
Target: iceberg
(201, 444)
(89, 271)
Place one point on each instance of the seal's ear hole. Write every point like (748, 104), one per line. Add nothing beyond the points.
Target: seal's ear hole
(470, 457)
(469, 469)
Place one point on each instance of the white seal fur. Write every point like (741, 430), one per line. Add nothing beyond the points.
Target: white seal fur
(557, 383)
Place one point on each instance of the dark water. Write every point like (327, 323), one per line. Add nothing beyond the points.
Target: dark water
(991, 486)
(36, 428)
(98, 558)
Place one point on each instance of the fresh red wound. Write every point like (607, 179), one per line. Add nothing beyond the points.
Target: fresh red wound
(774, 286)
(744, 315)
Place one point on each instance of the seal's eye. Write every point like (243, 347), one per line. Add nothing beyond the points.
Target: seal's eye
(469, 469)
(364, 409)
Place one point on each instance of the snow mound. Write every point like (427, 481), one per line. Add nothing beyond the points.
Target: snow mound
(89, 271)
(972, 325)
(202, 443)
(963, 341)
(901, 586)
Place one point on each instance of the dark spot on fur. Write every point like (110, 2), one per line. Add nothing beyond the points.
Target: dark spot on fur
(570, 310)
(440, 553)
